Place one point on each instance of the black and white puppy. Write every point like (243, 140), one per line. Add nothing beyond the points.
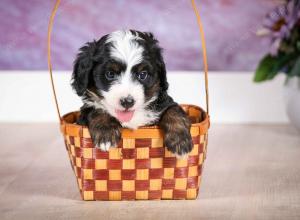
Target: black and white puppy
(122, 81)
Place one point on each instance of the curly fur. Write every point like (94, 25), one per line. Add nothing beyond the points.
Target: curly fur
(127, 53)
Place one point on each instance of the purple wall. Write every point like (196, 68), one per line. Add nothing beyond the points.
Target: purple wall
(230, 27)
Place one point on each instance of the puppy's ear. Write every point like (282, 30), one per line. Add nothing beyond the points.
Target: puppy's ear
(162, 73)
(83, 65)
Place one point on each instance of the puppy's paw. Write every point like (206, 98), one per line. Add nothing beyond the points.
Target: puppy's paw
(179, 142)
(104, 139)
(104, 146)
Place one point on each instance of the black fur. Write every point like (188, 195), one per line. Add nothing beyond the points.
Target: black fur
(88, 80)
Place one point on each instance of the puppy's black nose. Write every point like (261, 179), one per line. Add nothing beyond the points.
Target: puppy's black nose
(127, 102)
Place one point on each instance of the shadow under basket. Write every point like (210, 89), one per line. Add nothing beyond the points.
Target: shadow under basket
(140, 167)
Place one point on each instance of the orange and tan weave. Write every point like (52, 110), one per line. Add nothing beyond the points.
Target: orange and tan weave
(140, 167)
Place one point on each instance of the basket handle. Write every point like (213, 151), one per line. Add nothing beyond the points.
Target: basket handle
(200, 26)
(50, 25)
(204, 53)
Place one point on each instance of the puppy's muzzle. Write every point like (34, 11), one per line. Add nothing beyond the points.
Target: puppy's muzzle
(127, 102)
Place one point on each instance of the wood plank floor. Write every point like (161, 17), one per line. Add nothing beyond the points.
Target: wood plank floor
(252, 172)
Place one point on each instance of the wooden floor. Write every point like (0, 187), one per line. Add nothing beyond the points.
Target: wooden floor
(252, 172)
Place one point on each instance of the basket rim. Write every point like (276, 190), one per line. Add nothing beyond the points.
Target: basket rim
(72, 129)
(205, 121)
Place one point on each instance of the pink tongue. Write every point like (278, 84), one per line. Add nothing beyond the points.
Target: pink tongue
(124, 116)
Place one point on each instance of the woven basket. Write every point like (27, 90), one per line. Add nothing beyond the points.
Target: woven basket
(140, 167)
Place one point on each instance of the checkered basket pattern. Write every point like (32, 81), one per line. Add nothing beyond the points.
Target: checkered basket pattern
(140, 167)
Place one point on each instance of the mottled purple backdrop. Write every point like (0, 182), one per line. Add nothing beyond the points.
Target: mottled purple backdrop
(230, 27)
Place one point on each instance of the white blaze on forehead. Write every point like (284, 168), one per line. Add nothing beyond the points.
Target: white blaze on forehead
(125, 47)
(127, 50)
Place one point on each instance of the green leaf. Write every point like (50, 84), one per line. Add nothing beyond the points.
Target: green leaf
(298, 45)
(296, 68)
(265, 68)
(270, 66)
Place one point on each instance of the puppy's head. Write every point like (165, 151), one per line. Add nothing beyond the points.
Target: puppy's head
(122, 73)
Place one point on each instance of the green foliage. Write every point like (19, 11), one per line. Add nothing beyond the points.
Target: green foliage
(298, 45)
(295, 71)
(270, 66)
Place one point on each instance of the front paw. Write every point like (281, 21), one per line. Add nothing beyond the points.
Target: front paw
(104, 146)
(179, 142)
(106, 138)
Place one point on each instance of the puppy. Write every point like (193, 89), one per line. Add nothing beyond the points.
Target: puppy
(121, 79)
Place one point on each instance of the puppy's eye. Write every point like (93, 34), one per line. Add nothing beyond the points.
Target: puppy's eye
(142, 75)
(110, 75)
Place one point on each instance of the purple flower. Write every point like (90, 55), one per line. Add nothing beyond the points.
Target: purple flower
(279, 23)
